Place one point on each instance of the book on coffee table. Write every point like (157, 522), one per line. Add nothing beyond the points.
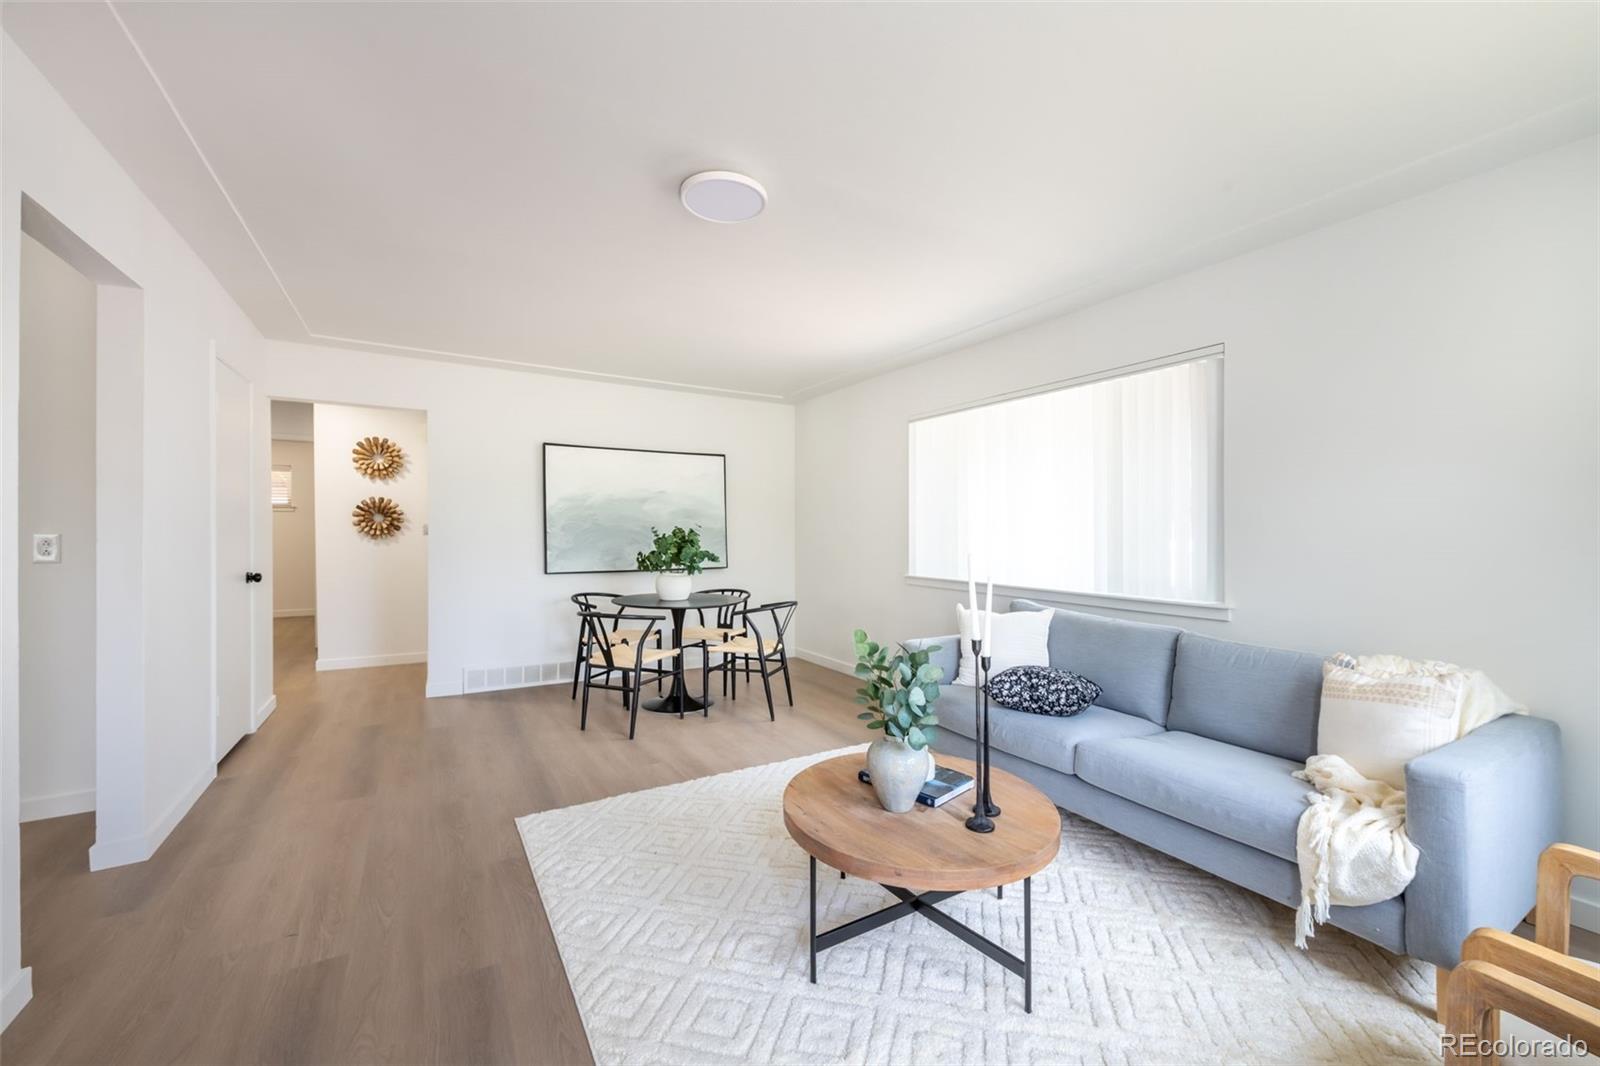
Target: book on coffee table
(944, 786)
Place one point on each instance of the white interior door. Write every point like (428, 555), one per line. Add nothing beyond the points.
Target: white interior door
(235, 576)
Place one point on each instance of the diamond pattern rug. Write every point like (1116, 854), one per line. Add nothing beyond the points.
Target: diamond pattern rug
(680, 913)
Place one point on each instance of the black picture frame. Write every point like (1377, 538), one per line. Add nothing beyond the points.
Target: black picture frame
(544, 498)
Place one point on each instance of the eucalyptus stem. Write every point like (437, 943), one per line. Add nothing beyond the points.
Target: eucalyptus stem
(900, 690)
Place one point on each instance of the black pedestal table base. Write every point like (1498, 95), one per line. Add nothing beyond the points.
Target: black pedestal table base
(670, 703)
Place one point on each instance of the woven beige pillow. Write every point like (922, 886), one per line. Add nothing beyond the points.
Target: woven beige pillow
(1381, 711)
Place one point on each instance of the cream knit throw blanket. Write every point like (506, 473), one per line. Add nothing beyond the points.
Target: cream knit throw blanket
(1352, 844)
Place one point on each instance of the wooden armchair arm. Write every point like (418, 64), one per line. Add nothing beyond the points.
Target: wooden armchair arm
(1552, 916)
(1557, 972)
(1477, 989)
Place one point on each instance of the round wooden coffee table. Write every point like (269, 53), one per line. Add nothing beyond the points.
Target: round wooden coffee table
(925, 855)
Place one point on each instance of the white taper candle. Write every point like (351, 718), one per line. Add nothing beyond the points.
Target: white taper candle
(988, 612)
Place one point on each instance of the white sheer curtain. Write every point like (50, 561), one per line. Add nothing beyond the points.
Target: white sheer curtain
(1108, 487)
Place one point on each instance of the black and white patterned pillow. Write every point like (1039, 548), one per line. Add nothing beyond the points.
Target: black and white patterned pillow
(1042, 690)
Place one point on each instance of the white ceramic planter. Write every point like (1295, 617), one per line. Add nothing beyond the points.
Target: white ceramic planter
(898, 771)
(671, 586)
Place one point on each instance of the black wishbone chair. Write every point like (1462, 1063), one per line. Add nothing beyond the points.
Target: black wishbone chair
(764, 651)
(598, 602)
(724, 624)
(632, 659)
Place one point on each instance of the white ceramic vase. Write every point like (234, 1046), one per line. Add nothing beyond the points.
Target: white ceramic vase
(898, 771)
(673, 586)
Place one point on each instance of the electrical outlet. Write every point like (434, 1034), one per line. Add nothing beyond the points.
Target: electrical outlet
(47, 547)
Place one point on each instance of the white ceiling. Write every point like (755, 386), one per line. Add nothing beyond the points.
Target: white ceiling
(499, 182)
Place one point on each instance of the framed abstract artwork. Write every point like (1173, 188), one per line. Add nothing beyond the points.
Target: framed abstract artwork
(600, 503)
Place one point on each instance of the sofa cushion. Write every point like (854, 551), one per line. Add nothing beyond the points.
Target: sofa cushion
(1234, 792)
(1050, 742)
(1130, 661)
(1260, 698)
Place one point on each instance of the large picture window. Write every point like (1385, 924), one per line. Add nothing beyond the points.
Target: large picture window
(1109, 487)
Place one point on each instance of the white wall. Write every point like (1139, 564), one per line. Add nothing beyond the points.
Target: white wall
(489, 601)
(372, 595)
(56, 494)
(1410, 444)
(291, 421)
(294, 534)
(163, 758)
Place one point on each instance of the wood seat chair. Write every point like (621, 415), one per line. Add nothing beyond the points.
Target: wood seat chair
(744, 646)
(1537, 980)
(632, 660)
(723, 626)
(598, 602)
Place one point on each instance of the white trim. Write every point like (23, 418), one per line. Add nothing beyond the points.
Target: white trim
(436, 689)
(205, 162)
(1216, 612)
(360, 662)
(816, 658)
(17, 995)
(1192, 355)
(264, 712)
(545, 368)
(213, 702)
(294, 612)
(108, 853)
(62, 803)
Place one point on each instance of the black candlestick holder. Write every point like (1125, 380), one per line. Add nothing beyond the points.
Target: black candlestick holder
(983, 808)
(989, 806)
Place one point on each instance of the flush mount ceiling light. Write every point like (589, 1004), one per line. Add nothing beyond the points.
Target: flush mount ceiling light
(722, 196)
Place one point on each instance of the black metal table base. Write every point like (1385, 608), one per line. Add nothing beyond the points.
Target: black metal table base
(668, 704)
(923, 904)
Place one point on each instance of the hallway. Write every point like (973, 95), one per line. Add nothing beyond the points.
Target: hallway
(351, 888)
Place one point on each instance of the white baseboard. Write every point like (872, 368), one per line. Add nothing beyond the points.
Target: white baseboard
(62, 803)
(826, 661)
(16, 995)
(361, 662)
(295, 612)
(105, 854)
(264, 712)
(442, 688)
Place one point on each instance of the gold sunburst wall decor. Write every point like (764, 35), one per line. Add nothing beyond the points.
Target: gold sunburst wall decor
(378, 517)
(378, 458)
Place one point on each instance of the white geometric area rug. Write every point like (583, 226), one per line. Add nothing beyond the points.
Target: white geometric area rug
(681, 917)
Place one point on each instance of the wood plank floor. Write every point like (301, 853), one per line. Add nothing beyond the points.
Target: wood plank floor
(352, 888)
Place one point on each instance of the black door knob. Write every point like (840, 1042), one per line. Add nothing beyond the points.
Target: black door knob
(251, 577)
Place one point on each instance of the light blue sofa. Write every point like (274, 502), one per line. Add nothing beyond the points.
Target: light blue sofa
(1190, 751)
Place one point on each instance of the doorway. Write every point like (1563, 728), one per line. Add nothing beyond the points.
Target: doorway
(56, 609)
(347, 595)
(294, 542)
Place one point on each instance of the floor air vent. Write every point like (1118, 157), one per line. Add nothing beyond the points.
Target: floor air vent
(494, 678)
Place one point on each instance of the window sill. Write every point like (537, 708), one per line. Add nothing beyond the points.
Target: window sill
(278, 507)
(1215, 612)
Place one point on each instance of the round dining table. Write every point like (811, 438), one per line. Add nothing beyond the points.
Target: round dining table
(679, 699)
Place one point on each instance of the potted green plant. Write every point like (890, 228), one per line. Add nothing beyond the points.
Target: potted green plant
(675, 558)
(899, 694)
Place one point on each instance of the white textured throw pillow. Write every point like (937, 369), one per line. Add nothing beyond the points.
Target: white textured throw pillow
(1021, 638)
(1381, 711)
